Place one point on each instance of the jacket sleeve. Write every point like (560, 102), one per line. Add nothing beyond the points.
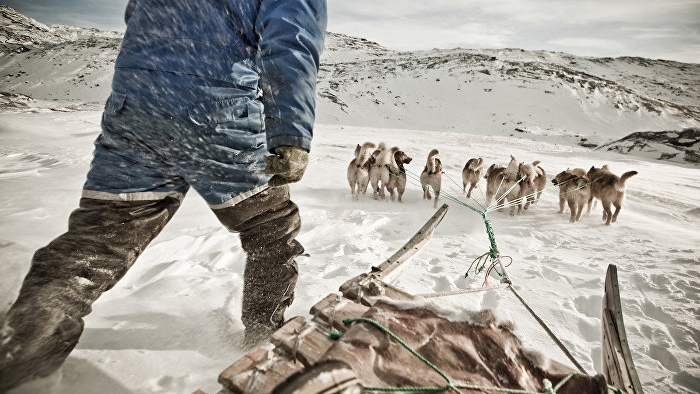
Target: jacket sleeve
(290, 39)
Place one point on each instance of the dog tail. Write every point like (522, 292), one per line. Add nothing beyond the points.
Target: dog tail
(362, 153)
(620, 185)
(511, 172)
(469, 164)
(474, 164)
(540, 171)
(430, 165)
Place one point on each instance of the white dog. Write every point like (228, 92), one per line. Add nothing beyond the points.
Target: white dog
(528, 175)
(540, 181)
(358, 169)
(471, 174)
(379, 171)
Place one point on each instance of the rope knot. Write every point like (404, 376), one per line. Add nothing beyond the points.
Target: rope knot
(548, 389)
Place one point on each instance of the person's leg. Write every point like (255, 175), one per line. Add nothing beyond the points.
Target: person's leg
(103, 240)
(129, 196)
(267, 223)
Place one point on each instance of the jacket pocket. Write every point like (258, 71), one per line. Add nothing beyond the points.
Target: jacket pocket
(237, 113)
(115, 103)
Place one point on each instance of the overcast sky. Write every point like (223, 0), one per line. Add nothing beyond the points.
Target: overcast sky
(657, 29)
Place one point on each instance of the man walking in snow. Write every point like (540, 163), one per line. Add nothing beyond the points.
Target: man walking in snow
(202, 92)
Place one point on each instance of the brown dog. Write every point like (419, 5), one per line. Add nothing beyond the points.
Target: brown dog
(471, 174)
(609, 189)
(397, 179)
(432, 177)
(358, 169)
(574, 188)
(494, 180)
(504, 183)
(527, 174)
(560, 181)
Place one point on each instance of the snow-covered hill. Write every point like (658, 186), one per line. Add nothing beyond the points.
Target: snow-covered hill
(496, 91)
(57, 67)
(491, 92)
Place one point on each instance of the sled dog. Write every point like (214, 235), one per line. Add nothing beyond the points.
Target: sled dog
(574, 188)
(527, 173)
(358, 169)
(471, 174)
(379, 171)
(561, 179)
(609, 189)
(431, 177)
(540, 181)
(503, 183)
(397, 178)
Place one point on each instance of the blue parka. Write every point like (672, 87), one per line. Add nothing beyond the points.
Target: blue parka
(202, 90)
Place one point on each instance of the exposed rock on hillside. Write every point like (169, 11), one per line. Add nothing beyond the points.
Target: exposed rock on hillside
(677, 146)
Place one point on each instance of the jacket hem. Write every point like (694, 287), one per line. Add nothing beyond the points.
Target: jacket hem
(139, 196)
(239, 198)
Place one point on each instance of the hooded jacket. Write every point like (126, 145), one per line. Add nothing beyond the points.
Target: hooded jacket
(267, 46)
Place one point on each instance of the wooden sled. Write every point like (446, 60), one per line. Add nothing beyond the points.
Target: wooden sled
(301, 343)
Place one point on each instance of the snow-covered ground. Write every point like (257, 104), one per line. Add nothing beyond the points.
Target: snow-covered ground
(172, 324)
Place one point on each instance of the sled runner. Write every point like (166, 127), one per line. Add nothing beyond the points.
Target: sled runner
(374, 337)
(617, 359)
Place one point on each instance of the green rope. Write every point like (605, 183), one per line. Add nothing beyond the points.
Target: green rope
(615, 390)
(477, 261)
(493, 253)
(334, 334)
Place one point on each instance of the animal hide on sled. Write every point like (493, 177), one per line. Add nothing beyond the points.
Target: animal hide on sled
(479, 350)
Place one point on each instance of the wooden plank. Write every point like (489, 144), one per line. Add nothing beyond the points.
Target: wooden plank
(303, 340)
(612, 357)
(389, 271)
(259, 371)
(365, 289)
(333, 309)
(617, 358)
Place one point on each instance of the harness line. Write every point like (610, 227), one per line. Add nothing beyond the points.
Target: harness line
(495, 259)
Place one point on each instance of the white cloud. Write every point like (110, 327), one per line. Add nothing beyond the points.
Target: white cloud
(658, 29)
